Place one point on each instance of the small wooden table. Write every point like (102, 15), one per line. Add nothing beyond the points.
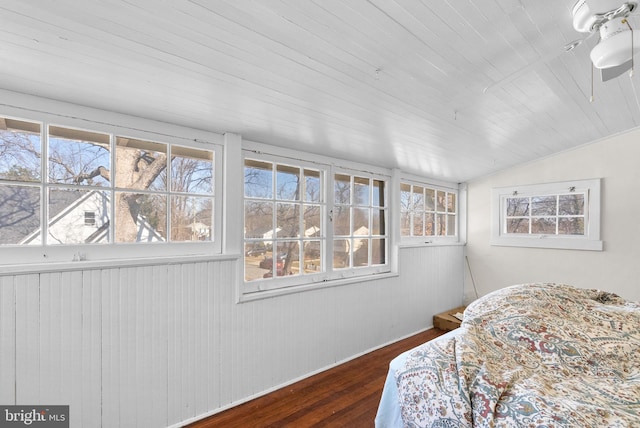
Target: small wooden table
(446, 320)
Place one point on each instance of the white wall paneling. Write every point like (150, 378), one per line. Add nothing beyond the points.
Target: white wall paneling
(158, 345)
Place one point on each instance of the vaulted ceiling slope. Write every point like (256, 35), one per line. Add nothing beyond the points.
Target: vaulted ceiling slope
(451, 89)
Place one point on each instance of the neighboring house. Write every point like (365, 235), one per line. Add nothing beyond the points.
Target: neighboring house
(78, 217)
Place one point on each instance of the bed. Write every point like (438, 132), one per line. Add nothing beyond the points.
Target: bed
(544, 355)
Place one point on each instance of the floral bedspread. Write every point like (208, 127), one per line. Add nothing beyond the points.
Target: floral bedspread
(538, 355)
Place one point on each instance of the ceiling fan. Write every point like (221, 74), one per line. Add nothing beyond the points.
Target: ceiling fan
(613, 54)
(608, 19)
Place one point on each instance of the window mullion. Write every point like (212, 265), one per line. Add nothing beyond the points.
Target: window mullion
(328, 220)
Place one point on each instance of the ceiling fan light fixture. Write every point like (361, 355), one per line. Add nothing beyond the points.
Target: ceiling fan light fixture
(615, 47)
(590, 15)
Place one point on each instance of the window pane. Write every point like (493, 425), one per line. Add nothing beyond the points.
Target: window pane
(140, 164)
(378, 194)
(543, 225)
(543, 206)
(441, 224)
(430, 200)
(430, 224)
(571, 204)
(190, 218)
(442, 200)
(378, 252)
(405, 197)
(377, 222)
(67, 208)
(140, 217)
(405, 223)
(571, 226)
(79, 157)
(288, 220)
(451, 202)
(312, 221)
(361, 191)
(255, 260)
(517, 207)
(342, 189)
(287, 183)
(258, 219)
(341, 250)
(20, 150)
(288, 260)
(19, 214)
(418, 198)
(451, 225)
(191, 170)
(313, 188)
(258, 179)
(361, 221)
(341, 221)
(312, 257)
(418, 224)
(518, 225)
(361, 252)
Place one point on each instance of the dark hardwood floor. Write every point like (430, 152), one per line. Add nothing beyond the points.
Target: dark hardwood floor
(344, 396)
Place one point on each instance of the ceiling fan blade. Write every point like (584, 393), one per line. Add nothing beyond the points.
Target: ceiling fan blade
(541, 60)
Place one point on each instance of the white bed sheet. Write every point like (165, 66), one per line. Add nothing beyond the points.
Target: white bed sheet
(389, 415)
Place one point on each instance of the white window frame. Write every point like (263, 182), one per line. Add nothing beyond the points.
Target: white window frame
(282, 285)
(442, 187)
(589, 241)
(116, 125)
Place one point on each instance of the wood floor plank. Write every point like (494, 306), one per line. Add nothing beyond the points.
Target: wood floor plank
(343, 396)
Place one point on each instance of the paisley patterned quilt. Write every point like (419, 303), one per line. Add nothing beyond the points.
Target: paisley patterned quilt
(533, 355)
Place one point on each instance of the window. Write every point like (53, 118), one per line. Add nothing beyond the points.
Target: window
(427, 212)
(306, 222)
(89, 218)
(557, 215)
(102, 188)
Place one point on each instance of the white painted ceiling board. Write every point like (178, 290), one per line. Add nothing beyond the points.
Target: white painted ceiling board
(395, 83)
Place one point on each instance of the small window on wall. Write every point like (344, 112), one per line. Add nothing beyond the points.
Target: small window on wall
(558, 215)
(428, 213)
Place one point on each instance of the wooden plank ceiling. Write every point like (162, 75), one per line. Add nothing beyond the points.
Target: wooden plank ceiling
(395, 83)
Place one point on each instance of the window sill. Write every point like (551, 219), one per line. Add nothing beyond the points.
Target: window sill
(549, 242)
(266, 294)
(29, 268)
(428, 243)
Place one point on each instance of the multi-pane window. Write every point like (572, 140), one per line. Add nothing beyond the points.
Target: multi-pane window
(283, 230)
(562, 214)
(553, 215)
(305, 222)
(427, 212)
(61, 185)
(358, 217)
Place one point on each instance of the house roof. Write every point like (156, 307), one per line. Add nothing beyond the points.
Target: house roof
(452, 90)
(20, 211)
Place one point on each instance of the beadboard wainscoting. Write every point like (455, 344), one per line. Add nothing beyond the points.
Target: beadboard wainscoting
(163, 344)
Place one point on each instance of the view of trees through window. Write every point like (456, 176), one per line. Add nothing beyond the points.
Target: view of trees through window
(562, 214)
(425, 211)
(160, 192)
(286, 210)
(282, 218)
